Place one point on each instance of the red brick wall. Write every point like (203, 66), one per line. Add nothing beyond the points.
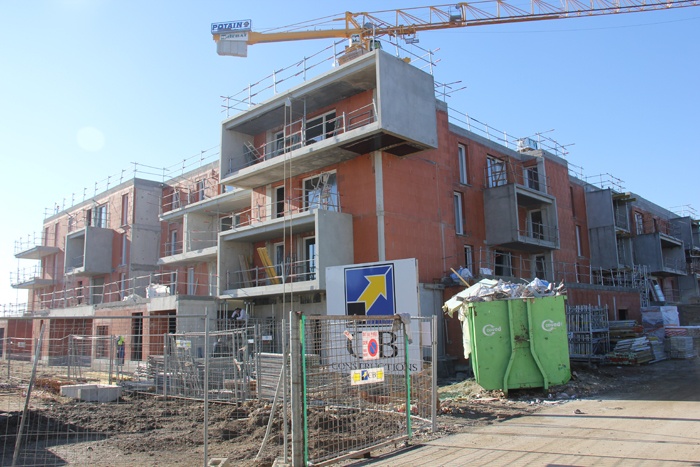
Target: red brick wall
(615, 300)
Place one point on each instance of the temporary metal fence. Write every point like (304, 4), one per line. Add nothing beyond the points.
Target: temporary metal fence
(366, 383)
(92, 391)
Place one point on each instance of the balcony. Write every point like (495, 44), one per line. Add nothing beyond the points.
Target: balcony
(89, 251)
(519, 214)
(318, 238)
(352, 110)
(200, 228)
(662, 253)
(30, 278)
(35, 246)
(199, 246)
(176, 204)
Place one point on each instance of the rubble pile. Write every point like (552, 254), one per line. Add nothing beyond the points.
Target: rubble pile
(487, 290)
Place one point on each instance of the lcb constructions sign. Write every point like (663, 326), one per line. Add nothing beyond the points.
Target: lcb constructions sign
(372, 347)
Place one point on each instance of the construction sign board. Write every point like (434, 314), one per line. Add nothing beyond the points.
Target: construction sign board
(373, 289)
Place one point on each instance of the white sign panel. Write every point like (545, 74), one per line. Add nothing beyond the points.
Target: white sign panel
(367, 376)
(183, 344)
(380, 288)
(234, 36)
(373, 289)
(370, 345)
(231, 26)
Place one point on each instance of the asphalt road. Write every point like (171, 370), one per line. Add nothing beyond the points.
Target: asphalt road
(655, 421)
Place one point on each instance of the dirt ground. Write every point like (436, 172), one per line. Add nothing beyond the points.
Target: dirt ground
(146, 430)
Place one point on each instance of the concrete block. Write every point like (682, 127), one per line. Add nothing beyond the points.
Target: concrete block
(92, 392)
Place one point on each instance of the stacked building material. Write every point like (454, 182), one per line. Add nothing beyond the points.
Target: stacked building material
(658, 349)
(680, 347)
(626, 329)
(632, 351)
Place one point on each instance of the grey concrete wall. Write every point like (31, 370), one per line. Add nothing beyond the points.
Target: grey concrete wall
(674, 257)
(228, 260)
(500, 214)
(145, 247)
(685, 230)
(98, 250)
(431, 305)
(647, 250)
(232, 151)
(690, 289)
(599, 209)
(406, 99)
(197, 309)
(334, 242)
(200, 231)
(603, 246)
(147, 196)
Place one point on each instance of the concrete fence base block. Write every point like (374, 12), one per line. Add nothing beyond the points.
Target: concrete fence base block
(92, 392)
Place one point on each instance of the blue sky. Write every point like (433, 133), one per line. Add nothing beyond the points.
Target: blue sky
(89, 87)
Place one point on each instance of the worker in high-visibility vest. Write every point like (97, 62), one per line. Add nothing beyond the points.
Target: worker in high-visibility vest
(120, 349)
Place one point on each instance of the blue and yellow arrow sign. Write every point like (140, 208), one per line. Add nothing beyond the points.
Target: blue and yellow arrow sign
(369, 290)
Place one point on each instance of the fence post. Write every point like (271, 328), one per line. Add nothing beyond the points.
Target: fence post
(110, 347)
(407, 375)
(297, 355)
(20, 432)
(9, 357)
(166, 353)
(206, 386)
(433, 363)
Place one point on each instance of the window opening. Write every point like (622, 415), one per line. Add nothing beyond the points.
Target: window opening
(125, 209)
(496, 172)
(469, 258)
(503, 263)
(533, 178)
(320, 128)
(321, 192)
(101, 216)
(536, 226)
(579, 249)
(279, 259)
(639, 223)
(310, 251)
(462, 156)
(540, 267)
(459, 213)
(279, 201)
(191, 283)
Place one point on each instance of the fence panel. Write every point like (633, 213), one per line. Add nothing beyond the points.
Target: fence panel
(367, 383)
(139, 399)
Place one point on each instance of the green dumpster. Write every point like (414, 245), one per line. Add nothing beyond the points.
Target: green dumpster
(519, 343)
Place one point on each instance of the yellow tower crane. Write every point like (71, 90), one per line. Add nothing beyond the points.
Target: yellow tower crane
(363, 29)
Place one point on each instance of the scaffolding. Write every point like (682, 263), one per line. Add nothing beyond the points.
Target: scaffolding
(589, 332)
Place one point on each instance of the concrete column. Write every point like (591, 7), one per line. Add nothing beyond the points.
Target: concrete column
(379, 190)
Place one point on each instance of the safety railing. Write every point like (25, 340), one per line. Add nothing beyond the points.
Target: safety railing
(34, 240)
(280, 273)
(172, 248)
(27, 274)
(146, 286)
(260, 213)
(537, 232)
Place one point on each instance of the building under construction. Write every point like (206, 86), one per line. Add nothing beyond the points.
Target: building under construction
(361, 164)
